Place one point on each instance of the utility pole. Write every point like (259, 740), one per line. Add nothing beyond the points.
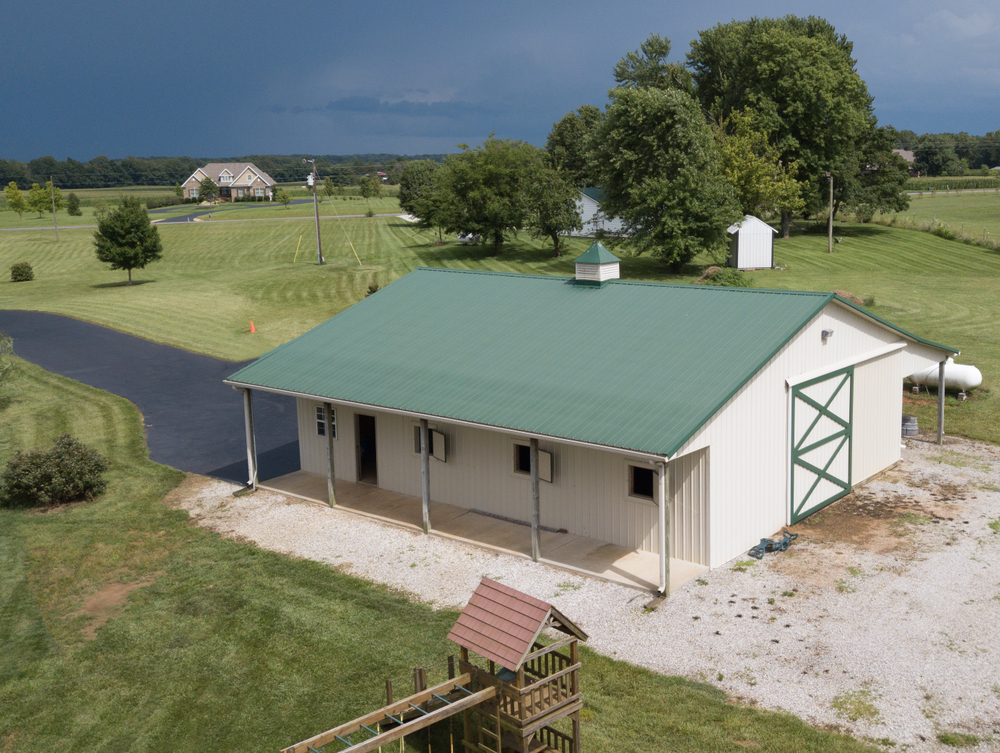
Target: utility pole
(313, 180)
(829, 222)
(52, 191)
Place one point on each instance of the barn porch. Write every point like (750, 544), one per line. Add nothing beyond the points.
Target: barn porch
(577, 554)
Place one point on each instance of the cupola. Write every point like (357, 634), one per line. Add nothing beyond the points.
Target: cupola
(596, 266)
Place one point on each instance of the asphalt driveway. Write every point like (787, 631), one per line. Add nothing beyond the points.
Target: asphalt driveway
(193, 421)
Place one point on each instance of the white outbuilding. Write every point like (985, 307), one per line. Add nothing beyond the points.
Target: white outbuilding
(751, 244)
(592, 215)
(678, 424)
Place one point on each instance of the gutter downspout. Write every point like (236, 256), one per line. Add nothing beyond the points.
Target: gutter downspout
(251, 440)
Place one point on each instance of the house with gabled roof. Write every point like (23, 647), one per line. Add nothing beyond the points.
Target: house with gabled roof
(592, 216)
(681, 423)
(234, 179)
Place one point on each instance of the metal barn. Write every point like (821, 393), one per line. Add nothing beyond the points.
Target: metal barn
(676, 423)
(751, 244)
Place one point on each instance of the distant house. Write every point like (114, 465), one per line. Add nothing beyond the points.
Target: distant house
(751, 244)
(907, 155)
(235, 180)
(589, 207)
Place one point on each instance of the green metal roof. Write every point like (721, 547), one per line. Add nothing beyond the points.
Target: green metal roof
(633, 365)
(597, 194)
(597, 254)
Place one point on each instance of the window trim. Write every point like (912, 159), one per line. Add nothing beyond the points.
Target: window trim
(321, 421)
(630, 489)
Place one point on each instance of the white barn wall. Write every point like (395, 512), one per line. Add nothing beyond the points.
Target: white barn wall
(878, 397)
(312, 447)
(748, 436)
(588, 495)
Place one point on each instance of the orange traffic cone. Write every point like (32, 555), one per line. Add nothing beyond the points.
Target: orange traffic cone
(252, 328)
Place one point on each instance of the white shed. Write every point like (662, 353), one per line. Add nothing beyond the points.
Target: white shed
(679, 422)
(751, 245)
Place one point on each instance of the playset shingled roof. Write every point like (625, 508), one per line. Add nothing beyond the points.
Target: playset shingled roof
(502, 624)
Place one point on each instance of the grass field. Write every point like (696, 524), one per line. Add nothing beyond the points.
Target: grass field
(217, 277)
(331, 206)
(224, 646)
(973, 213)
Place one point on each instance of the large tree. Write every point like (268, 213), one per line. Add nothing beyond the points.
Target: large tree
(568, 144)
(873, 179)
(752, 165)
(485, 190)
(415, 181)
(420, 194)
(39, 200)
(553, 208)
(647, 67)
(15, 199)
(126, 239)
(660, 172)
(799, 77)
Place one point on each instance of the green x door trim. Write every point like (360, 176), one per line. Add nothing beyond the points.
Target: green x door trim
(807, 505)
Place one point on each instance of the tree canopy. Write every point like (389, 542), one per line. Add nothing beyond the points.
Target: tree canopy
(208, 189)
(568, 144)
(484, 190)
(660, 172)
(648, 67)
(126, 239)
(752, 165)
(15, 199)
(798, 76)
(552, 210)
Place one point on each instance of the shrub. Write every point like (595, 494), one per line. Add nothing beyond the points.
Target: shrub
(370, 212)
(373, 288)
(68, 472)
(73, 206)
(21, 272)
(729, 278)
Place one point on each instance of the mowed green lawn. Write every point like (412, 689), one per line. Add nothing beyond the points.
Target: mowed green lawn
(217, 277)
(335, 205)
(972, 212)
(225, 646)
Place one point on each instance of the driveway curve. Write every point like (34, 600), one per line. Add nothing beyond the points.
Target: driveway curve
(193, 421)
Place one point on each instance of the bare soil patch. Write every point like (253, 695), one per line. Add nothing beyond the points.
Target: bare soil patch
(105, 604)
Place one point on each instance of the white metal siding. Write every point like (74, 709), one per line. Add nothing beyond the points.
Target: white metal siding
(878, 410)
(312, 447)
(689, 509)
(748, 436)
(752, 244)
(588, 497)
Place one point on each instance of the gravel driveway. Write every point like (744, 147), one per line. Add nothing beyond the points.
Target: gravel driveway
(883, 619)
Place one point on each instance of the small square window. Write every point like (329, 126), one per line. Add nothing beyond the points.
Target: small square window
(522, 458)
(321, 421)
(640, 482)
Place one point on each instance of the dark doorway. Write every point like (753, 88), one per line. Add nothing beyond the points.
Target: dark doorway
(367, 464)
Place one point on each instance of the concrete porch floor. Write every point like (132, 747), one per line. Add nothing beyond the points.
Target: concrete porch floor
(577, 554)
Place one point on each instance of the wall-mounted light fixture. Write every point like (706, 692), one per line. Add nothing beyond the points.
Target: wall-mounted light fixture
(827, 333)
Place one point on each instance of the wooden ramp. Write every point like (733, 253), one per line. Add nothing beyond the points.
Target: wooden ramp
(406, 716)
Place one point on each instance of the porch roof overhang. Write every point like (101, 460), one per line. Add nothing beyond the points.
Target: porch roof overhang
(648, 456)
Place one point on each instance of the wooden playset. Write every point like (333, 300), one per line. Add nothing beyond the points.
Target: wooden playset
(510, 705)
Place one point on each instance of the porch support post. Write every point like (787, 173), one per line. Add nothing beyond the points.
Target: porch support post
(941, 402)
(663, 471)
(425, 475)
(536, 546)
(251, 440)
(331, 475)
